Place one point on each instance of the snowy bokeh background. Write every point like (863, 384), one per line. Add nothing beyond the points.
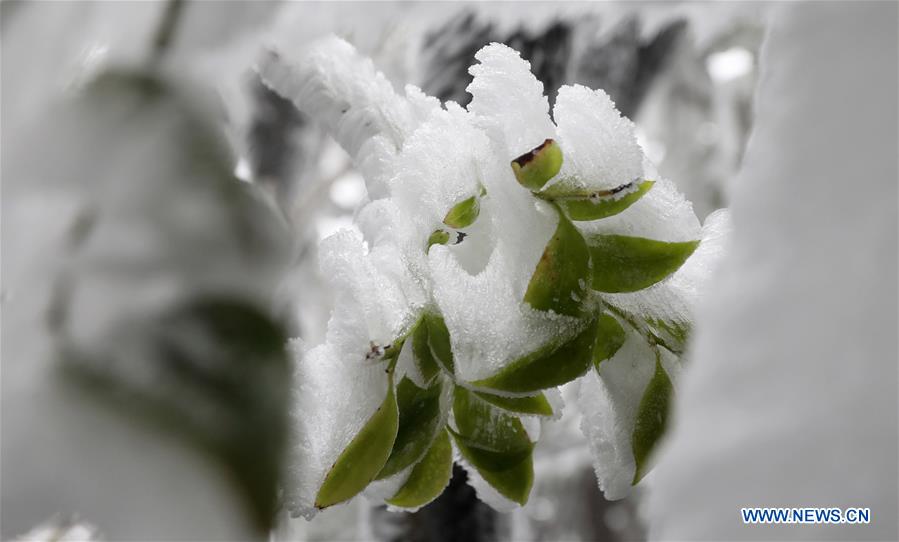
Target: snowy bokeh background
(687, 74)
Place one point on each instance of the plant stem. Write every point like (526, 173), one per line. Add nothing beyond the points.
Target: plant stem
(165, 32)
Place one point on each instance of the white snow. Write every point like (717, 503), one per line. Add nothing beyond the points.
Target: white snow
(338, 87)
(507, 101)
(790, 398)
(336, 393)
(599, 146)
(609, 402)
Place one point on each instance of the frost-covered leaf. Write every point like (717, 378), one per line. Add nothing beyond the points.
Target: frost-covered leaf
(579, 204)
(429, 477)
(666, 309)
(609, 401)
(529, 404)
(609, 338)
(662, 213)
(373, 285)
(536, 167)
(463, 214)
(495, 444)
(345, 413)
(482, 301)
(652, 418)
(550, 366)
(559, 282)
(628, 264)
(439, 341)
(342, 382)
(420, 417)
(502, 306)
(364, 457)
(601, 150)
(421, 352)
(335, 85)
(508, 101)
(439, 170)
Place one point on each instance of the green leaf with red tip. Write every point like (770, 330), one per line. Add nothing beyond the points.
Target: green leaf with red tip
(547, 367)
(429, 476)
(420, 419)
(627, 264)
(537, 166)
(364, 457)
(559, 282)
(652, 418)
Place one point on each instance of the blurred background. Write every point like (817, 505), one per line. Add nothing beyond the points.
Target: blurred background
(110, 254)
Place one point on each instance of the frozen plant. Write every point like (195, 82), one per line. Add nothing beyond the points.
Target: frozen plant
(502, 253)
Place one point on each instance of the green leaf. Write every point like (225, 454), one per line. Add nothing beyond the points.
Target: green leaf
(421, 352)
(429, 477)
(495, 444)
(439, 340)
(419, 420)
(535, 167)
(511, 474)
(487, 426)
(609, 338)
(559, 282)
(652, 417)
(365, 456)
(532, 404)
(596, 205)
(628, 264)
(463, 214)
(438, 237)
(550, 366)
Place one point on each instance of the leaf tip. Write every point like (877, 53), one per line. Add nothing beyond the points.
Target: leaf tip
(537, 166)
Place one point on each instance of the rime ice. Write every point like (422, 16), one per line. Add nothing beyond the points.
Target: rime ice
(419, 160)
(600, 147)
